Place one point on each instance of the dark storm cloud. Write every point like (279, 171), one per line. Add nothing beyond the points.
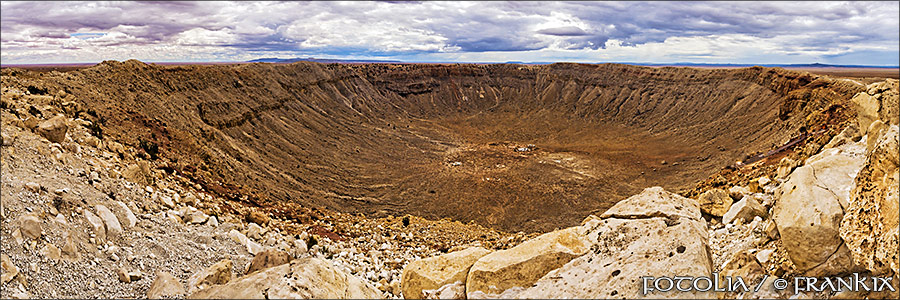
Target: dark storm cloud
(220, 29)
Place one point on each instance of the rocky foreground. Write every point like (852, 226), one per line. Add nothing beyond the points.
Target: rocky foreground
(85, 217)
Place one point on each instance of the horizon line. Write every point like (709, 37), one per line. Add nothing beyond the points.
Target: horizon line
(364, 61)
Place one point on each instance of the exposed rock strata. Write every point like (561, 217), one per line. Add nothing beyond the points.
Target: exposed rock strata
(235, 129)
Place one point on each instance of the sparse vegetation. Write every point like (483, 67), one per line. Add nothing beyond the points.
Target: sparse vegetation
(36, 90)
(150, 148)
(95, 129)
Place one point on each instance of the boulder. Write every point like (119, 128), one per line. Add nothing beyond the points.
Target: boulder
(61, 220)
(442, 275)
(754, 187)
(54, 129)
(174, 216)
(126, 216)
(304, 278)
(267, 259)
(521, 266)
(654, 233)
(785, 166)
(300, 247)
(255, 232)
(745, 210)
(257, 217)
(764, 256)
(867, 108)
(9, 269)
(166, 201)
(841, 262)
(890, 102)
(715, 202)
(190, 199)
(743, 264)
(6, 140)
(128, 277)
(195, 217)
(878, 102)
(875, 131)
(50, 251)
(70, 250)
(123, 275)
(809, 211)
(738, 192)
(92, 141)
(216, 274)
(138, 173)
(835, 169)
(111, 222)
(165, 285)
(870, 226)
(96, 224)
(115, 147)
(771, 230)
(31, 122)
(652, 202)
(72, 147)
(850, 134)
(240, 238)
(758, 185)
(30, 226)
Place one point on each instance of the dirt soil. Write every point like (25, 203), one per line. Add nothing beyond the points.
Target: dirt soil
(512, 147)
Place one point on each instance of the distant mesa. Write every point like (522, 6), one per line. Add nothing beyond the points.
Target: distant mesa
(812, 65)
(674, 64)
(318, 60)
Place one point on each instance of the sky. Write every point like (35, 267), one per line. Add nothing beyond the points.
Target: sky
(746, 32)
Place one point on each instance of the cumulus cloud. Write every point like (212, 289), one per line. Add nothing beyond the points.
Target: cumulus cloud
(748, 32)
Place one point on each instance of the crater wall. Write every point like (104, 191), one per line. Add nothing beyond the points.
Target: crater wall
(515, 147)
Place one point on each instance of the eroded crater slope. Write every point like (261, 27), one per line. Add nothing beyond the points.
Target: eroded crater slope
(509, 146)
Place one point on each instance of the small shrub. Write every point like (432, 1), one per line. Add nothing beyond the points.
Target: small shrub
(34, 111)
(311, 241)
(36, 90)
(95, 129)
(150, 148)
